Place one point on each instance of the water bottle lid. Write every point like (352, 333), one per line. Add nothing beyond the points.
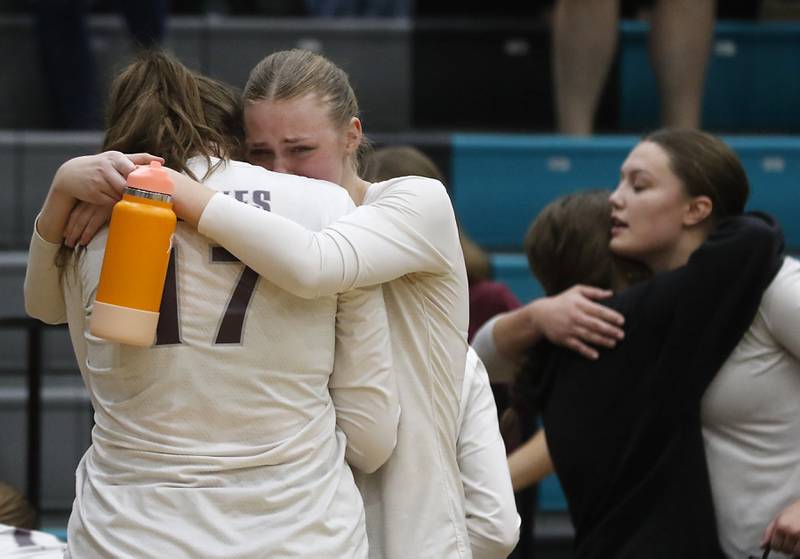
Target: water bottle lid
(152, 178)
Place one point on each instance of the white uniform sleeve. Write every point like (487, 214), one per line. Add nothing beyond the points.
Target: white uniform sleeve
(409, 227)
(492, 519)
(499, 367)
(44, 298)
(782, 308)
(363, 384)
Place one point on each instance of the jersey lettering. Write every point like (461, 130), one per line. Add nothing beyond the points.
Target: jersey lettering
(168, 329)
(231, 325)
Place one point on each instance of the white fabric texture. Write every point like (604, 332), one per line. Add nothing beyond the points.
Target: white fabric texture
(405, 235)
(16, 543)
(492, 519)
(204, 449)
(751, 420)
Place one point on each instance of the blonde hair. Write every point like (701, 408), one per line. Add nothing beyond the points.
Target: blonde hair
(290, 74)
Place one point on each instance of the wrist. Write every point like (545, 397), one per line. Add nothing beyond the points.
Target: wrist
(190, 198)
(533, 326)
(516, 331)
(54, 215)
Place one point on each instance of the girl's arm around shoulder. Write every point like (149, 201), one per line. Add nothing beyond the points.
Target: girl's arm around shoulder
(405, 226)
(750, 241)
(98, 179)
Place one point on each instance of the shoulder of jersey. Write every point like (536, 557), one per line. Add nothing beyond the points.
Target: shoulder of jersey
(786, 281)
(412, 183)
(314, 203)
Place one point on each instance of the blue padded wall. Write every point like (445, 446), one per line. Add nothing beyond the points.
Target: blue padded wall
(752, 82)
(500, 182)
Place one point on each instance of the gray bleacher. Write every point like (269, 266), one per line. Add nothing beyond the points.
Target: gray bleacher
(376, 54)
(66, 414)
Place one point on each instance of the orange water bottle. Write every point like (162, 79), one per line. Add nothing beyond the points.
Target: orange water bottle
(136, 259)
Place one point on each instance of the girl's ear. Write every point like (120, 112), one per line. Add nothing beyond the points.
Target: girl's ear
(699, 209)
(354, 135)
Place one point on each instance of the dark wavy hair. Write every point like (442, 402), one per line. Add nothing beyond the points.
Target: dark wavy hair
(567, 244)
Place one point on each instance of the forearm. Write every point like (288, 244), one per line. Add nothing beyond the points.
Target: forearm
(42, 289)
(501, 369)
(408, 228)
(516, 331)
(530, 463)
(43, 296)
(54, 214)
(283, 252)
(190, 198)
(305, 263)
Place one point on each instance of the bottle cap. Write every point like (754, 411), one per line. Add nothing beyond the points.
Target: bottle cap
(152, 178)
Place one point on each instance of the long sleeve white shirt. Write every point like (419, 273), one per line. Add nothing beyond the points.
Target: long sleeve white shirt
(405, 237)
(208, 449)
(492, 519)
(751, 420)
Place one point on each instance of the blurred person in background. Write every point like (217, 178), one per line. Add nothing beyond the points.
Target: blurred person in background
(487, 297)
(489, 504)
(584, 41)
(68, 61)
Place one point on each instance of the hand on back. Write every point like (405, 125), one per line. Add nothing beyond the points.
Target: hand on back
(97, 182)
(575, 320)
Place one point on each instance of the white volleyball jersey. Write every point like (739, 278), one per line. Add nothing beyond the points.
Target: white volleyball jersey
(405, 236)
(17, 543)
(221, 440)
(751, 421)
(492, 519)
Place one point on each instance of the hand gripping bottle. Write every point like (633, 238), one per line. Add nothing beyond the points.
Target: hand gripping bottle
(136, 259)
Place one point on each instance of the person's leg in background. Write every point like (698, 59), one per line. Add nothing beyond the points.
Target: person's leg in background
(67, 63)
(584, 42)
(680, 42)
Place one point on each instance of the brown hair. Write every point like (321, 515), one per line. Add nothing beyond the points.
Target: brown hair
(566, 244)
(402, 161)
(568, 241)
(289, 74)
(158, 105)
(15, 510)
(706, 166)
